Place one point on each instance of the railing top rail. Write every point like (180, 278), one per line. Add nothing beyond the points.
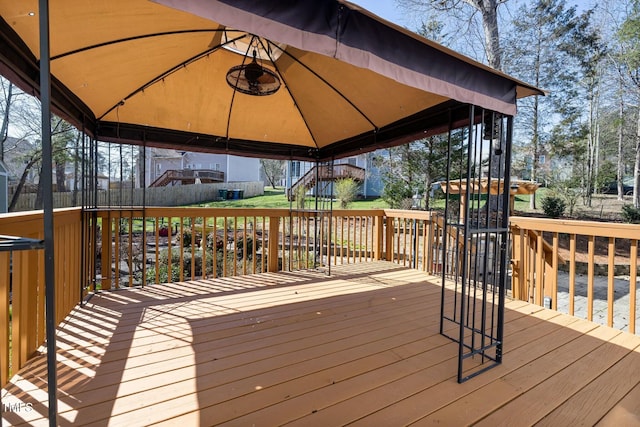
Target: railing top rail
(408, 214)
(588, 228)
(35, 213)
(212, 212)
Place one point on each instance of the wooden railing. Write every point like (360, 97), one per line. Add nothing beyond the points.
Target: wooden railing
(22, 284)
(109, 248)
(544, 247)
(155, 245)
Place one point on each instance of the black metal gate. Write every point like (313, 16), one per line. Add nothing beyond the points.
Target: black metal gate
(475, 227)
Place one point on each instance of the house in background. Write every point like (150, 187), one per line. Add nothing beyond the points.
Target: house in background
(360, 167)
(199, 167)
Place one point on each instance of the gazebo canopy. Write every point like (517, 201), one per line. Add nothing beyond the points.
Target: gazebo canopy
(158, 73)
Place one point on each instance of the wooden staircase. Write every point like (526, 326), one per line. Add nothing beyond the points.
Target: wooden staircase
(188, 176)
(326, 173)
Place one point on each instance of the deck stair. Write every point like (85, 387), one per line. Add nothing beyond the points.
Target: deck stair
(325, 173)
(188, 176)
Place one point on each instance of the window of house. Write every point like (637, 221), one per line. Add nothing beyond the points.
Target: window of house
(352, 161)
(295, 168)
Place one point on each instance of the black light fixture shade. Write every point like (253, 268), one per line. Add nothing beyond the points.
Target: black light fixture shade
(253, 79)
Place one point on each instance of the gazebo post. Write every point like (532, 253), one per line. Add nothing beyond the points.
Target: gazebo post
(47, 191)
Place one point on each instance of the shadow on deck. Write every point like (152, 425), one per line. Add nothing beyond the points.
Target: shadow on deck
(361, 346)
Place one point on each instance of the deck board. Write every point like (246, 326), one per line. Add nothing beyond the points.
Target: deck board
(360, 346)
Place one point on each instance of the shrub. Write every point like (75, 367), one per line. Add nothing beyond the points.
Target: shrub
(553, 206)
(395, 192)
(301, 196)
(630, 214)
(187, 237)
(346, 191)
(240, 245)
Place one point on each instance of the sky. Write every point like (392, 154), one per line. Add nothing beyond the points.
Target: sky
(389, 10)
(386, 9)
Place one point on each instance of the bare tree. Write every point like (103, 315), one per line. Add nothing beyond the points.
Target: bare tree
(464, 12)
(273, 170)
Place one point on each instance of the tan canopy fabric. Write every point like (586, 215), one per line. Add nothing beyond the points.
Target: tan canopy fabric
(145, 72)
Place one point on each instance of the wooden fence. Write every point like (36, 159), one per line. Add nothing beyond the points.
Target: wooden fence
(157, 196)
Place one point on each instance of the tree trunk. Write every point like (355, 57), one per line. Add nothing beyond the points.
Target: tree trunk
(636, 168)
(76, 168)
(489, 11)
(620, 168)
(39, 196)
(61, 185)
(535, 148)
(23, 180)
(4, 131)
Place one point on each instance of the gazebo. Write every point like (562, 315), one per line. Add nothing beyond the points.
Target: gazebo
(291, 80)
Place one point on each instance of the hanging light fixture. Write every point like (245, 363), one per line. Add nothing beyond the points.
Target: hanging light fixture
(253, 78)
(491, 126)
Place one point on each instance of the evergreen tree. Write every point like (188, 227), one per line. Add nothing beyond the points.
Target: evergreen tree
(542, 50)
(629, 56)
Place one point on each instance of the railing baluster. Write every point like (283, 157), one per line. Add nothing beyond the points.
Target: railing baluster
(214, 245)
(169, 250)
(193, 247)
(610, 280)
(633, 272)
(264, 248)
(224, 247)
(244, 247)
(590, 277)
(554, 272)
(130, 257)
(572, 273)
(5, 262)
(203, 245)
(254, 240)
(539, 284)
(116, 248)
(181, 240)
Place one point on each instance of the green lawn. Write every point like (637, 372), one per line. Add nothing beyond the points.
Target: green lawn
(277, 199)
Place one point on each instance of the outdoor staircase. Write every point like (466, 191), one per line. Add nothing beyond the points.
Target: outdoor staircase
(188, 176)
(326, 173)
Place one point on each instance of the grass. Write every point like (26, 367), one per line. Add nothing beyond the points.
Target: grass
(522, 200)
(275, 199)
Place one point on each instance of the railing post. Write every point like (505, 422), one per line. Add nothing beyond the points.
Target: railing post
(517, 264)
(105, 261)
(378, 237)
(274, 229)
(388, 242)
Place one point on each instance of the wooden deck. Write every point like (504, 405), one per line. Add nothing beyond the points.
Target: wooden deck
(360, 347)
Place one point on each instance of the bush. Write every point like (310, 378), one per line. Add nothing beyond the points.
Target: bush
(553, 206)
(346, 191)
(630, 214)
(395, 192)
(240, 245)
(301, 196)
(187, 237)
